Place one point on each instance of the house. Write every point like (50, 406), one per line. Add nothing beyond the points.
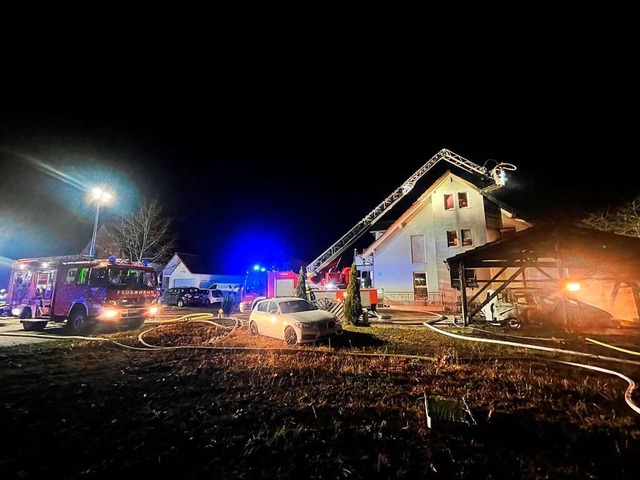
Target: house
(407, 259)
(189, 270)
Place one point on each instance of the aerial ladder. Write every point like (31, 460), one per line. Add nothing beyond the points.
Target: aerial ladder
(496, 175)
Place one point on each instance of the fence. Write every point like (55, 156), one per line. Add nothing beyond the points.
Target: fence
(437, 300)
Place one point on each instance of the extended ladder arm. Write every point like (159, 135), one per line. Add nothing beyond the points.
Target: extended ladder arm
(338, 248)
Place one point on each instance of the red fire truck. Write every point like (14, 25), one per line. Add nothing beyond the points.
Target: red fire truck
(81, 292)
(260, 283)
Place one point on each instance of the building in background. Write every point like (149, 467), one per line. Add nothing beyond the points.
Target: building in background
(189, 270)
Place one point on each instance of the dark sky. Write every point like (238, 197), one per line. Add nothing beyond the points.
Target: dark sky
(266, 135)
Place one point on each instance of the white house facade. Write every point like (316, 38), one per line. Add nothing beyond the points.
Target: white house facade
(453, 215)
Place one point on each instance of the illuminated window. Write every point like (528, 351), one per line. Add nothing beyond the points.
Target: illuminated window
(418, 254)
(463, 201)
(420, 285)
(452, 238)
(467, 240)
(448, 201)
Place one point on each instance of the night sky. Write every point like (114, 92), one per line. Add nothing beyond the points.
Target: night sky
(267, 135)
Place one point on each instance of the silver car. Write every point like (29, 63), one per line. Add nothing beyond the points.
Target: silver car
(294, 320)
(212, 296)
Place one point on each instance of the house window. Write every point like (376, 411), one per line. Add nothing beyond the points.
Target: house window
(471, 280)
(506, 232)
(467, 240)
(463, 201)
(417, 249)
(448, 201)
(420, 285)
(452, 238)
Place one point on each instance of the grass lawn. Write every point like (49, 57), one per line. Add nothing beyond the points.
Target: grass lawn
(196, 400)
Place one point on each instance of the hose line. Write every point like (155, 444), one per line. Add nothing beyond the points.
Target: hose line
(628, 392)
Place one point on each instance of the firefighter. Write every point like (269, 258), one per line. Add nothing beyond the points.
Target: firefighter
(310, 295)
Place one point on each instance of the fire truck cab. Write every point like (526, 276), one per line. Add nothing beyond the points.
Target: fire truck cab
(81, 292)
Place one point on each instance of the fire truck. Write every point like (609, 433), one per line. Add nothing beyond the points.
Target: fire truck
(81, 292)
(261, 283)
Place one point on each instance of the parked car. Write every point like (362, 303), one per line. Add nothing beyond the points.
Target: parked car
(182, 296)
(211, 296)
(292, 319)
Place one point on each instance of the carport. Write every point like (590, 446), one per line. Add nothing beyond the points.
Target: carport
(549, 255)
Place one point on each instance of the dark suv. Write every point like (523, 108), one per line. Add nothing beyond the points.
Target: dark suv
(182, 296)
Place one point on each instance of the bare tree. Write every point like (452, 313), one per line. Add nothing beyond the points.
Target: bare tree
(144, 234)
(624, 220)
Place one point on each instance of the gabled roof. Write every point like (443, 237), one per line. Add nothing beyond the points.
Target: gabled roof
(569, 245)
(399, 223)
(198, 264)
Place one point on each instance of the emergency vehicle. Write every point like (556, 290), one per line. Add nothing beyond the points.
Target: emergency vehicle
(81, 292)
(261, 283)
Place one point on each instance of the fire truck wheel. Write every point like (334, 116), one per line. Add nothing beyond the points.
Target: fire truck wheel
(77, 322)
(33, 326)
(290, 336)
(253, 328)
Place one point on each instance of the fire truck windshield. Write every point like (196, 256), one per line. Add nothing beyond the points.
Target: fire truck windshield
(255, 283)
(123, 277)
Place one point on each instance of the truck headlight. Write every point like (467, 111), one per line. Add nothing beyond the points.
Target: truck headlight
(154, 310)
(109, 313)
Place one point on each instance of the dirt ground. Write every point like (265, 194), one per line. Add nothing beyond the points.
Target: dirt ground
(190, 399)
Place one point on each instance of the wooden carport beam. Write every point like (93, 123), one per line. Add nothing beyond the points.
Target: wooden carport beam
(508, 281)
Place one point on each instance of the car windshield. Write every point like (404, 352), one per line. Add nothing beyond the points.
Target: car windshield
(294, 306)
(128, 277)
